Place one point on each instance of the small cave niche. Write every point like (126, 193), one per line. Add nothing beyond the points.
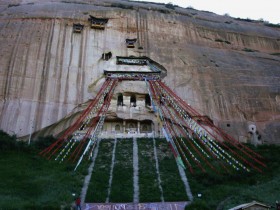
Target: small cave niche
(120, 100)
(130, 43)
(97, 23)
(107, 56)
(228, 125)
(77, 27)
(133, 101)
(147, 100)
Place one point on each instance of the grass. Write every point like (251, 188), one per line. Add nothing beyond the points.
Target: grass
(173, 188)
(29, 181)
(148, 183)
(98, 187)
(122, 185)
(229, 190)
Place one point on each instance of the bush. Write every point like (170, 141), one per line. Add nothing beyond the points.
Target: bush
(170, 6)
(242, 19)
(44, 142)
(122, 6)
(272, 25)
(249, 50)
(13, 5)
(7, 142)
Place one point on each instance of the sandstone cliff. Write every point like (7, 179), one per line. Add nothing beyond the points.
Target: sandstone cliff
(227, 69)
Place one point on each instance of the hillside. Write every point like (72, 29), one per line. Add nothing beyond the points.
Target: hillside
(29, 181)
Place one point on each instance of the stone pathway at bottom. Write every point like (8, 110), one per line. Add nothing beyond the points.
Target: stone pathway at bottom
(139, 206)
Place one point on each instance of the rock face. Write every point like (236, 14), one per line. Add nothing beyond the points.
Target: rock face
(225, 68)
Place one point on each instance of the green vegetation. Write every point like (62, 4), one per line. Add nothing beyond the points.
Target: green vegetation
(272, 25)
(277, 54)
(148, 183)
(122, 185)
(246, 20)
(170, 6)
(173, 188)
(98, 187)
(123, 6)
(13, 5)
(29, 181)
(249, 50)
(229, 190)
(73, 2)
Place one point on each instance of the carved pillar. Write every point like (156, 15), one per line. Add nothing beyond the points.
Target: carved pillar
(138, 127)
(124, 125)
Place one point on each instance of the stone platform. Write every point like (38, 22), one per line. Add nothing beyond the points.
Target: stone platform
(139, 206)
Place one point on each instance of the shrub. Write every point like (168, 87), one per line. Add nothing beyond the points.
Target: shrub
(219, 40)
(7, 142)
(170, 6)
(123, 6)
(272, 25)
(242, 19)
(13, 5)
(248, 50)
(43, 142)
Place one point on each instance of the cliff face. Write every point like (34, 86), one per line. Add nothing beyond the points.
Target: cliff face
(225, 68)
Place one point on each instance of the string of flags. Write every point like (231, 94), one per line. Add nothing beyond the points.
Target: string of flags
(194, 141)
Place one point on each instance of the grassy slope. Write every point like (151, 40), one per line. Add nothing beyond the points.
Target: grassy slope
(172, 184)
(229, 190)
(98, 187)
(148, 183)
(122, 184)
(29, 181)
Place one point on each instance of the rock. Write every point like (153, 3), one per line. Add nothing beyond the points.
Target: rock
(225, 68)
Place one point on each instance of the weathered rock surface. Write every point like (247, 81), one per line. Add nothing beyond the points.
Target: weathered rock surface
(225, 68)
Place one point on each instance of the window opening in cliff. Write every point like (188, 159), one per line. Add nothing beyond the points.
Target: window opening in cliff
(107, 56)
(147, 100)
(77, 27)
(146, 128)
(228, 125)
(133, 101)
(130, 43)
(97, 23)
(117, 127)
(132, 126)
(120, 100)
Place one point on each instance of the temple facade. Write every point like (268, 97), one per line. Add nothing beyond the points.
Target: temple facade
(130, 114)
